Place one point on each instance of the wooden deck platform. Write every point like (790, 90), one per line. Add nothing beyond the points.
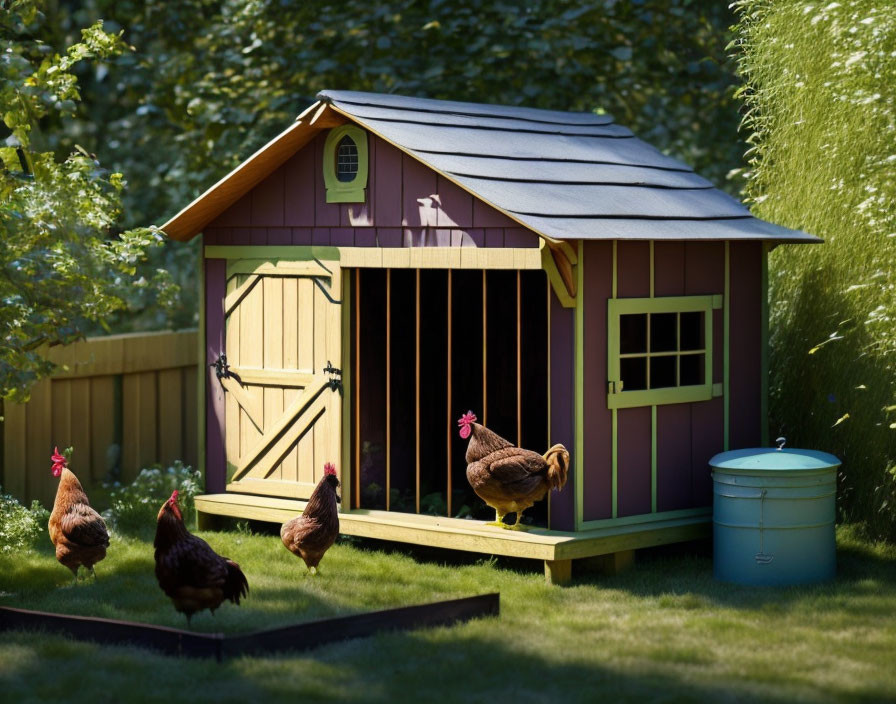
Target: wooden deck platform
(556, 548)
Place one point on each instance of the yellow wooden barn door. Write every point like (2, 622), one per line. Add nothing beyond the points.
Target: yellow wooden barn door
(283, 346)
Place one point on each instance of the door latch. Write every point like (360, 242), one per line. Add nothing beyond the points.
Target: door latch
(222, 369)
(335, 377)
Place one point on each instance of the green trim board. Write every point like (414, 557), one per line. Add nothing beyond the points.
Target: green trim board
(345, 191)
(298, 253)
(617, 395)
(579, 461)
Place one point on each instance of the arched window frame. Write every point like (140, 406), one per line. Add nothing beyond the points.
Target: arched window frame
(345, 191)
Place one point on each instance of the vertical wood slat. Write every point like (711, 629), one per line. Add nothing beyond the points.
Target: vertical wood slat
(550, 442)
(40, 484)
(272, 354)
(289, 468)
(232, 409)
(14, 448)
(417, 391)
(171, 418)
(448, 404)
(79, 428)
(189, 395)
(388, 388)
(306, 291)
(102, 426)
(139, 423)
(357, 386)
(81, 406)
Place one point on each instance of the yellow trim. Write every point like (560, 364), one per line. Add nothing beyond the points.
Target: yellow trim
(202, 374)
(345, 191)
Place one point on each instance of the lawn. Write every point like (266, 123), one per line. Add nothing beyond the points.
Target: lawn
(663, 631)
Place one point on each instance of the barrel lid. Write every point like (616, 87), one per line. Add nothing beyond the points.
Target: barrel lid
(766, 458)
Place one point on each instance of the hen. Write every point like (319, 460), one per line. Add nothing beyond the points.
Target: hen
(508, 478)
(310, 535)
(193, 575)
(78, 532)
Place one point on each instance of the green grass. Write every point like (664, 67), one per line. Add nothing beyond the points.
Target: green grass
(663, 631)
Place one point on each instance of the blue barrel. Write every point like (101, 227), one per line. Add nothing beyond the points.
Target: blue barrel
(773, 516)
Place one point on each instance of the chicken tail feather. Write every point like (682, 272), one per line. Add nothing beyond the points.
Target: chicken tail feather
(237, 585)
(558, 466)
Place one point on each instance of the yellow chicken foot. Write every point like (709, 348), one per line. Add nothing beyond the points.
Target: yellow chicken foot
(313, 571)
(518, 525)
(499, 520)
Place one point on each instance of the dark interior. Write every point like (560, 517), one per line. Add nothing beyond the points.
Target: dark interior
(380, 342)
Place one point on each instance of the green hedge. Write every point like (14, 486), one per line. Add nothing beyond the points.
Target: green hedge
(821, 111)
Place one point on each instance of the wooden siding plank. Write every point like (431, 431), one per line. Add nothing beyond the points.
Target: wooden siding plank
(103, 413)
(306, 336)
(251, 346)
(419, 184)
(299, 185)
(15, 447)
(597, 423)
(79, 427)
(290, 346)
(272, 396)
(746, 340)
(386, 184)
(190, 387)
(673, 452)
(40, 483)
(268, 200)
(171, 424)
(485, 215)
(455, 205)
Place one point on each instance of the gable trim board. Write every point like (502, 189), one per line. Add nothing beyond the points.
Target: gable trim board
(621, 188)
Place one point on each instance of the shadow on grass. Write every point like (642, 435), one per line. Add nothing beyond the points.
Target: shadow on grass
(444, 664)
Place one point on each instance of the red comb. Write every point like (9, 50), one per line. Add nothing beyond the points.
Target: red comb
(59, 462)
(330, 468)
(467, 418)
(173, 498)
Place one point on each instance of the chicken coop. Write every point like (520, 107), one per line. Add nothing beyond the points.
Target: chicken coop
(388, 263)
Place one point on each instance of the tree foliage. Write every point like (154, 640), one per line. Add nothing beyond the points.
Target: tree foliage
(212, 80)
(59, 270)
(819, 83)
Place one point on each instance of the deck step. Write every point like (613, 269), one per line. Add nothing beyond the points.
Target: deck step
(474, 536)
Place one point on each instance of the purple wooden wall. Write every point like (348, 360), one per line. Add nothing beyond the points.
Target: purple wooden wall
(687, 435)
(598, 265)
(562, 342)
(408, 205)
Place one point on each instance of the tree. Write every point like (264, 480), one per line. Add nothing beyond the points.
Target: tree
(821, 114)
(59, 269)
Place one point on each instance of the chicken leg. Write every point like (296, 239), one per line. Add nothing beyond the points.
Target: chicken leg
(499, 520)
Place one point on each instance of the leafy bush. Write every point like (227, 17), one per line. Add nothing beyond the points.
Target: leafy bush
(134, 507)
(821, 110)
(20, 527)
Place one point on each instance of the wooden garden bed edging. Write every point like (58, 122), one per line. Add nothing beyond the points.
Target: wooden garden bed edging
(301, 636)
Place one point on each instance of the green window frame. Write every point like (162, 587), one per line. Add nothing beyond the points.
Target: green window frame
(339, 190)
(660, 313)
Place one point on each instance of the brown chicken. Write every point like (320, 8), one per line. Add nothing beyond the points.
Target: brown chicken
(310, 535)
(193, 575)
(508, 478)
(78, 532)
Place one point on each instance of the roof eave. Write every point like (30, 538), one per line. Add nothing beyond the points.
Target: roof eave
(190, 221)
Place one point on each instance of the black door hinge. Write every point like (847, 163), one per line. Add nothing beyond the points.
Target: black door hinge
(222, 369)
(335, 380)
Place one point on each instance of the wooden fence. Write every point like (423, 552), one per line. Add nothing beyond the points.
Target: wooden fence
(123, 402)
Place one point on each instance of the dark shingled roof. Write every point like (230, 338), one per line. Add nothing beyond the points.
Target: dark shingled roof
(565, 175)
